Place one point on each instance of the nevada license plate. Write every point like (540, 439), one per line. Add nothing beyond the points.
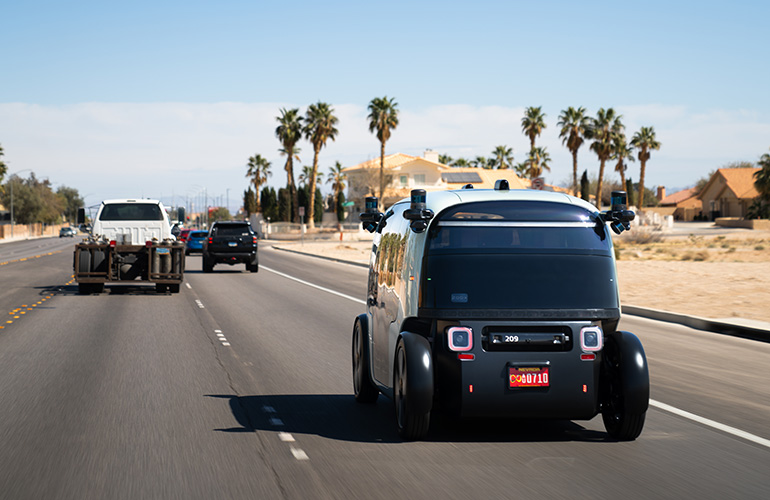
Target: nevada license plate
(233, 244)
(530, 376)
(163, 250)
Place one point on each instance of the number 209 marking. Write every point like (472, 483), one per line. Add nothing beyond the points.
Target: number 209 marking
(511, 338)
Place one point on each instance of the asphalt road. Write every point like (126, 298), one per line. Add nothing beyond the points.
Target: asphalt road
(240, 387)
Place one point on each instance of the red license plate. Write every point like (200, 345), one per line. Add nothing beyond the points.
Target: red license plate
(530, 376)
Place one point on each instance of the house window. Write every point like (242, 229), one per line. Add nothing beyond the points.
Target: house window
(419, 179)
(404, 180)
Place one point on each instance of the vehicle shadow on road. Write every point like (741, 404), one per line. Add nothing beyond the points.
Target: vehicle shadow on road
(338, 416)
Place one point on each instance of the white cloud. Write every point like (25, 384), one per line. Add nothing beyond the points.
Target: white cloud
(156, 149)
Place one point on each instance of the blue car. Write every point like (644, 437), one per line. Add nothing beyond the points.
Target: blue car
(194, 243)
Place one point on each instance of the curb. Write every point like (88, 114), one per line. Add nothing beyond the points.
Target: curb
(696, 322)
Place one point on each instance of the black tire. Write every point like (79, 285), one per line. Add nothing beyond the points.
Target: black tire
(84, 288)
(160, 287)
(254, 266)
(97, 287)
(208, 265)
(620, 424)
(411, 426)
(173, 288)
(363, 388)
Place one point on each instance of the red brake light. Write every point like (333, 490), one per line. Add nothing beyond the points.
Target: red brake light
(211, 241)
(466, 356)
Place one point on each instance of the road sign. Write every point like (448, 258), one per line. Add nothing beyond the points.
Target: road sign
(301, 211)
(538, 183)
(348, 204)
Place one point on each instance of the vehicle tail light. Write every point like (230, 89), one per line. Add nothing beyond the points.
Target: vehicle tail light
(591, 339)
(254, 239)
(466, 356)
(211, 241)
(588, 357)
(460, 338)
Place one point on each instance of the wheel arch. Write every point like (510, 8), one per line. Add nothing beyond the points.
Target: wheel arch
(634, 371)
(419, 369)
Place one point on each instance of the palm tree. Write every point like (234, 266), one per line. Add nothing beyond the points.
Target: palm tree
(536, 162)
(621, 151)
(337, 179)
(383, 118)
(3, 168)
(259, 171)
(502, 157)
(533, 124)
(481, 162)
(644, 142)
(319, 127)
(307, 174)
(602, 131)
(445, 159)
(461, 162)
(574, 126)
(289, 132)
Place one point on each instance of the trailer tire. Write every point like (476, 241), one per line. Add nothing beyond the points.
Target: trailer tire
(173, 288)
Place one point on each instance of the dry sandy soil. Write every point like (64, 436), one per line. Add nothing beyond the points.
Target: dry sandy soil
(718, 277)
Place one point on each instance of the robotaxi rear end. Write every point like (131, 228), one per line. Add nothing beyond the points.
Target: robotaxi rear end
(498, 303)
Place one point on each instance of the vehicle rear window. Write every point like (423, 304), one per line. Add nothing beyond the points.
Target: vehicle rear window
(198, 234)
(131, 211)
(519, 255)
(232, 230)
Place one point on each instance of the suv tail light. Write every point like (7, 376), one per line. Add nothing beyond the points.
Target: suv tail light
(460, 338)
(591, 339)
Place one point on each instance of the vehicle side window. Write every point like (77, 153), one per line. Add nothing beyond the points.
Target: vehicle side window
(391, 252)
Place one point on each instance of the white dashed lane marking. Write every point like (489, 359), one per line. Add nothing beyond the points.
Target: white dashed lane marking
(299, 454)
(285, 437)
(188, 286)
(199, 304)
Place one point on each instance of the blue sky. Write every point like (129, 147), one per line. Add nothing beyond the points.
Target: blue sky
(187, 91)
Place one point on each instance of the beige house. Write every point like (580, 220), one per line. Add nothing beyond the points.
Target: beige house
(405, 172)
(685, 204)
(729, 193)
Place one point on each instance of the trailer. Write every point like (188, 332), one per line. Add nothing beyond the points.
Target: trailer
(131, 241)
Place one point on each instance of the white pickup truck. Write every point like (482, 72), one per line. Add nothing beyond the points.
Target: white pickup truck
(130, 240)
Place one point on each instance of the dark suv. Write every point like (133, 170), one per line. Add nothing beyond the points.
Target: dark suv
(231, 242)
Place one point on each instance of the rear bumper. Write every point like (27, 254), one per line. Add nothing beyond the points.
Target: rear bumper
(481, 388)
(232, 257)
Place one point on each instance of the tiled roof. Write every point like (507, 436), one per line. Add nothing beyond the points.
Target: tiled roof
(740, 181)
(391, 161)
(679, 196)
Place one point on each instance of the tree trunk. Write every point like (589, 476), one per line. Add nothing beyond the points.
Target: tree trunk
(599, 185)
(574, 173)
(382, 175)
(311, 222)
(641, 183)
(292, 188)
(622, 175)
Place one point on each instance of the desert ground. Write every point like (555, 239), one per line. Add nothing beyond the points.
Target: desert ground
(718, 277)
